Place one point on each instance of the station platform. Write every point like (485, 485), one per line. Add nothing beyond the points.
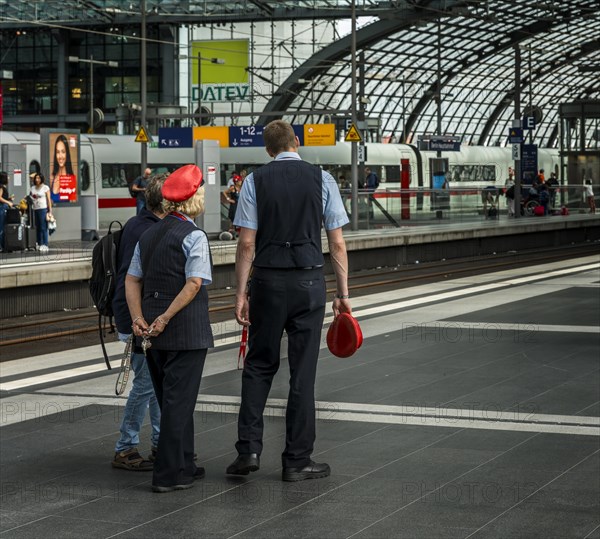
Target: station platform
(471, 410)
(58, 278)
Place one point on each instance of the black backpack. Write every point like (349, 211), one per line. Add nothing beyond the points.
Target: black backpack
(103, 279)
(131, 191)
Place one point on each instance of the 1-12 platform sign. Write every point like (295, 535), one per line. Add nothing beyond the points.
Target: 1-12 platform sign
(246, 136)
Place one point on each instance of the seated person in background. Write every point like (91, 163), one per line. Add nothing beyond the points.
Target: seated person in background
(489, 197)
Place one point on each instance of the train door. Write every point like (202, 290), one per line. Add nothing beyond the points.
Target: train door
(87, 170)
(440, 192)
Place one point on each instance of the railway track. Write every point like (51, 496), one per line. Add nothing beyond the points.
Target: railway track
(46, 332)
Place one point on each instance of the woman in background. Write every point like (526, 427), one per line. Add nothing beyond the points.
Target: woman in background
(42, 207)
(5, 203)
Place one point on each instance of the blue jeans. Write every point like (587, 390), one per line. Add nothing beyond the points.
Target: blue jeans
(41, 226)
(141, 396)
(3, 209)
(140, 202)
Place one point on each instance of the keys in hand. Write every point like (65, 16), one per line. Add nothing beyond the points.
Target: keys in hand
(146, 343)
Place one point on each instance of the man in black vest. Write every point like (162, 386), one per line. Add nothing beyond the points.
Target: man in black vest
(141, 396)
(281, 209)
(172, 261)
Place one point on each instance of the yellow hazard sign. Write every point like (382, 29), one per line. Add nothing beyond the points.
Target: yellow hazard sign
(142, 135)
(353, 135)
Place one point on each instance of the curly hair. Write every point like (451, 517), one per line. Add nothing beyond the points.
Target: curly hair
(193, 206)
(154, 198)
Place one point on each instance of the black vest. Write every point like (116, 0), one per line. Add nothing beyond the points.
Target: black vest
(289, 200)
(164, 277)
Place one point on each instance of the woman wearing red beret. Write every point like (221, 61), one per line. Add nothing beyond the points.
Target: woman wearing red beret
(166, 294)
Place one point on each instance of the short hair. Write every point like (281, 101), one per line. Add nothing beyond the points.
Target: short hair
(279, 136)
(3, 178)
(193, 206)
(154, 198)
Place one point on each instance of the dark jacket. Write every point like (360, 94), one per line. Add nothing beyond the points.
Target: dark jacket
(133, 230)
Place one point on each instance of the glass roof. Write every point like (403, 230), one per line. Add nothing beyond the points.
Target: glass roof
(81, 12)
(403, 45)
(474, 49)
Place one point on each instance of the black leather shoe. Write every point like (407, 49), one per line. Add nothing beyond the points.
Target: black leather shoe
(313, 470)
(199, 473)
(244, 464)
(162, 490)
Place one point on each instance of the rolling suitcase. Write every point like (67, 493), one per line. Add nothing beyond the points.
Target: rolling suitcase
(13, 216)
(19, 237)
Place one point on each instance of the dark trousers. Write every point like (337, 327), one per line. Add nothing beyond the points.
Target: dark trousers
(176, 377)
(293, 300)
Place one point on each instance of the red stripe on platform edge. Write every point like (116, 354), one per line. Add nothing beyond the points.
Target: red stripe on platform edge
(104, 203)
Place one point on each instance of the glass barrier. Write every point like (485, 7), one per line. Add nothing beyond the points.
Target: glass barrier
(388, 208)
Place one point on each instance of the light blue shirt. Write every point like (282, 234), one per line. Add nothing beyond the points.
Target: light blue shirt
(197, 253)
(334, 213)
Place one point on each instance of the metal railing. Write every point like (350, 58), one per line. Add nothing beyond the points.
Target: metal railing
(393, 207)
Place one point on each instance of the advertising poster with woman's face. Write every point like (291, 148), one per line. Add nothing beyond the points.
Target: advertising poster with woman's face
(63, 167)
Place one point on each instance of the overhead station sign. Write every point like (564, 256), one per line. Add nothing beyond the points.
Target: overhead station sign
(319, 135)
(246, 136)
(173, 137)
(441, 143)
(220, 71)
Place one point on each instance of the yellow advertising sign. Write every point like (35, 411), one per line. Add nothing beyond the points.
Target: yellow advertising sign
(319, 135)
(221, 67)
(212, 133)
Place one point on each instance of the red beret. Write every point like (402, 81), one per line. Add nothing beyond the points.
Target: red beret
(344, 336)
(182, 184)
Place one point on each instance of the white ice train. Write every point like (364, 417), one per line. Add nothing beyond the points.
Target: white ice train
(109, 162)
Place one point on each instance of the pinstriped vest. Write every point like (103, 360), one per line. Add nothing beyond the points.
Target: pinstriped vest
(164, 277)
(289, 203)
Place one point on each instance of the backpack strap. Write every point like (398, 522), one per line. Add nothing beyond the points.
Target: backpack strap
(100, 330)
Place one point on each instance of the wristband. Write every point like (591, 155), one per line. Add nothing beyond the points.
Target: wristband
(342, 296)
(159, 319)
(135, 320)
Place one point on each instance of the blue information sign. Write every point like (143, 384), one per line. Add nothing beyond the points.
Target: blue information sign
(515, 135)
(246, 136)
(529, 163)
(175, 137)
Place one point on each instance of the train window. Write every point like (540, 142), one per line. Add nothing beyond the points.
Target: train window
(392, 174)
(163, 168)
(85, 175)
(116, 175)
(472, 173)
(35, 167)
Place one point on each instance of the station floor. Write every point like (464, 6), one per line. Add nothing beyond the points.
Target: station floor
(471, 410)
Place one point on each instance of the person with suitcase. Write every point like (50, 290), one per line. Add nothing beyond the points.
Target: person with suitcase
(42, 207)
(5, 203)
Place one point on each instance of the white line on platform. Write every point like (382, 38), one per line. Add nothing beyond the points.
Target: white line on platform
(488, 287)
(17, 411)
(91, 352)
(421, 416)
(498, 326)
